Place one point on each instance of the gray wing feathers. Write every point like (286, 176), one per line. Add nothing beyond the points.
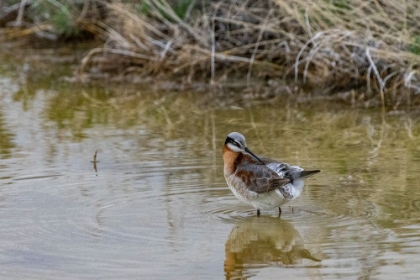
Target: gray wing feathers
(288, 171)
(279, 167)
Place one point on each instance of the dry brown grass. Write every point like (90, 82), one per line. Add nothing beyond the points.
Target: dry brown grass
(335, 44)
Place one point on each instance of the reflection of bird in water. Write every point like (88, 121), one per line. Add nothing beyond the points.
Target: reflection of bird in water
(260, 242)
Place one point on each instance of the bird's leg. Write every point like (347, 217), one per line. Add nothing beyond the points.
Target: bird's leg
(258, 212)
(279, 211)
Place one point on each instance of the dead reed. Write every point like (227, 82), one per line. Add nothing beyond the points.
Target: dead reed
(338, 45)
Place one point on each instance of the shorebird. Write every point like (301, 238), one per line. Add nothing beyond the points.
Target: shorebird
(262, 182)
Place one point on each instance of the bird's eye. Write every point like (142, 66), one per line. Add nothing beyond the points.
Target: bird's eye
(233, 142)
(236, 144)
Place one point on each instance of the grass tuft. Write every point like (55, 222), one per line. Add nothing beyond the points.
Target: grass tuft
(338, 45)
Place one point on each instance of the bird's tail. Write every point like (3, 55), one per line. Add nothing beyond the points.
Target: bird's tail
(307, 173)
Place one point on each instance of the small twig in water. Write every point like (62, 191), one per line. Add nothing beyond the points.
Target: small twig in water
(94, 161)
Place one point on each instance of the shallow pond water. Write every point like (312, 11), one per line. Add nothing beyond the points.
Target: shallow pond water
(155, 205)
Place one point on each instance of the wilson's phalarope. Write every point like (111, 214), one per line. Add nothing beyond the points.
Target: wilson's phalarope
(262, 182)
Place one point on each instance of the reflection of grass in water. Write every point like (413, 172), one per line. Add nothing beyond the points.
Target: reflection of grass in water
(6, 143)
(350, 136)
(178, 115)
(362, 158)
(71, 110)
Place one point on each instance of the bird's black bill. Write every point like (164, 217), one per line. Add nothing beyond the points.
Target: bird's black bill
(252, 154)
(308, 173)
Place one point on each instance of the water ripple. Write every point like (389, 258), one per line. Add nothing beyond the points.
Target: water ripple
(229, 210)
